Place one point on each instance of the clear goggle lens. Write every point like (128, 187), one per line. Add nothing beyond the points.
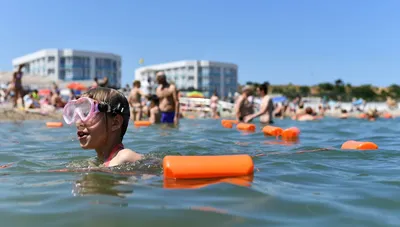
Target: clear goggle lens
(82, 109)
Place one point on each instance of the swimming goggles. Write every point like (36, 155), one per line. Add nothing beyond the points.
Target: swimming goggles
(83, 109)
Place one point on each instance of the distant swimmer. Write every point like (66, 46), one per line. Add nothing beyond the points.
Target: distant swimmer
(308, 116)
(135, 101)
(243, 107)
(266, 107)
(169, 101)
(344, 114)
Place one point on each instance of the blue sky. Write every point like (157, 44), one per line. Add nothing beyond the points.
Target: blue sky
(281, 41)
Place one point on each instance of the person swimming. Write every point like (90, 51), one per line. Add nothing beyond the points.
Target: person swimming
(101, 116)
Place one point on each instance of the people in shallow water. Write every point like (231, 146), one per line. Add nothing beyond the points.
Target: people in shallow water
(243, 107)
(101, 116)
(135, 101)
(266, 107)
(169, 101)
(154, 112)
(308, 116)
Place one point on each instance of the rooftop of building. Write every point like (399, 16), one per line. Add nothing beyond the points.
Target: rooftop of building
(62, 52)
(181, 63)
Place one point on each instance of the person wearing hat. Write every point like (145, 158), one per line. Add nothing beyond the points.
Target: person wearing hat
(243, 107)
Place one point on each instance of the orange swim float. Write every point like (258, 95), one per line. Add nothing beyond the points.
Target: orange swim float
(272, 131)
(228, 123)
(290, 133)
(196, 167)
(246, 127)
(54, 124)
(358, 145)
(142, 123)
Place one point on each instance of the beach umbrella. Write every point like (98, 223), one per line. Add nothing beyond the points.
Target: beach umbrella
(76, 86)
(358, 102)
(279, 99)
(195, 94)
(44, 92)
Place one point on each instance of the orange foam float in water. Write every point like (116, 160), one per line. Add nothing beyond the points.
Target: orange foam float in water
(290, 133)
(196, 167)
(359, 145)
(272, 131)
(54, 124)
(228, 123)
(246, 127)
(142, 123)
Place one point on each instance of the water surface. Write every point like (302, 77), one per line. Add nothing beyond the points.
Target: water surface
(325, 188)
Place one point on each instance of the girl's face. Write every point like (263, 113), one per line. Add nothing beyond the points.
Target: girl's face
(93, 133)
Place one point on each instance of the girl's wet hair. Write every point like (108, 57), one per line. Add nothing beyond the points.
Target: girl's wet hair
(118, 103)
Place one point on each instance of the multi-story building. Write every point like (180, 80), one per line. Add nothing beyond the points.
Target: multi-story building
(205, 76)
(71, 65)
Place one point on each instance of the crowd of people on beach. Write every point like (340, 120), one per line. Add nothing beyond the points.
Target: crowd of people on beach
(247, 108)
(164, 105)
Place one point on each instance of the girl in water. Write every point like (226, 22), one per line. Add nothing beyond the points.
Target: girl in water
(101, 116)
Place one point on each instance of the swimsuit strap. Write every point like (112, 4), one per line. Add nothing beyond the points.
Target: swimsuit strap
(117, 148)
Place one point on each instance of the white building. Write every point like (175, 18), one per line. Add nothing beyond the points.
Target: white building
(72, 65)
(205, 76)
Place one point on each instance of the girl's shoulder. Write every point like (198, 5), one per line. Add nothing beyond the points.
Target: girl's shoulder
(128, 155)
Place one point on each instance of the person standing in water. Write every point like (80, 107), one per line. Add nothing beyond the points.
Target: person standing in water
(169, 102)
(135, 101)
(154, 112)
(16, 85)
(266, 107)
(243, 107)
(214, 105)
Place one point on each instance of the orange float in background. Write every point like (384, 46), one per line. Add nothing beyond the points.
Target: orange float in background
(142, 123)
(272, 131)
(54, 124)
(196, 167)
(362, 115)
(246, 127)
(387, 115)
(358, 145)
(290, 133)
(228, 123)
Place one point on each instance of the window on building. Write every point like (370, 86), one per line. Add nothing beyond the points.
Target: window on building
(51, 59)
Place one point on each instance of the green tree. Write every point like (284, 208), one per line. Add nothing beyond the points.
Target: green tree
(364, 91)
(394, 90)
(304, 90)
